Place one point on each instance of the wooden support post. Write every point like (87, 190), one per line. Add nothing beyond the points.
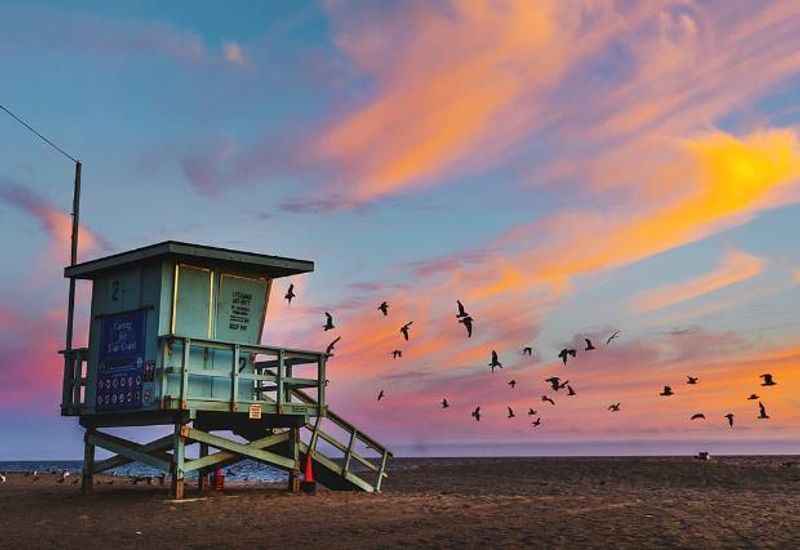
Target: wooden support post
(294, 474)
(178, 458)
(87, 476)
(202, 476)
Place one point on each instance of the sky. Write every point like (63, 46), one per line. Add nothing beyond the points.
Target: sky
(565, 168)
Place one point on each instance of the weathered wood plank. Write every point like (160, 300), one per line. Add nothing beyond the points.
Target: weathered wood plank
(128, 449)
(239, 448)
(224, 455)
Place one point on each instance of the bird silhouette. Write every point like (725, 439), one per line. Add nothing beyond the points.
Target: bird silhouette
(461, 311)
(570, 391)
(752, 397)
(532, 412)
(536, 422)
(666, 392)
(691, 380)
(563, 385)
(467, 321)
(698, 416)
(445, 403)
(328, 322)
(380, 395)
(614, 407)
(397, 353)
(384, 308)
(512, 383)
(476, 414)
(329, 349)
(546, 399)
(495, 361)
(404, 329)
(768, 381)
(589, 346)
(613, 336)
(729, 416)
(527, 350)
(554, 382)
(564, 353)
(510, 412)
(762, 411)
(290, 293)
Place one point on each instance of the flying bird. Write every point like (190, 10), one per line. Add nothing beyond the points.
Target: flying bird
(290, 293)
(328, 322)
(546, 399)
(380, 395)
(397, 353)
(762, 411)
(532, 412)
(527, 350)
(563, 385)
(445, 403)
(476, 414)
(589, 346)
(461, 311)
(554, 382)
(536, 422)
(613, 336)
(729, 416)
(666, 392)
(564, 353)
(467, 321)
(692, 380)
(698, 416)
(329, 349)
(404, 329)
(510, 412)
(570, 391)
(753, 397)
(614, 407)
(495, 361)
(768, 381)
(384, 308)
(512, 383)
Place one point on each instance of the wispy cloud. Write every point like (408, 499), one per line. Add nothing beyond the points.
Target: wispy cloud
(234, 53)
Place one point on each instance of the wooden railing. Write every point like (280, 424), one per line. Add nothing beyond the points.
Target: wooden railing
(73, 389)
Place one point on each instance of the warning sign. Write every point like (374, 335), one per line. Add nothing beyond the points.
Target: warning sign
(255, 412)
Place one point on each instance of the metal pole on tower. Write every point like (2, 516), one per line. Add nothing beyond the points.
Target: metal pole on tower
(73, 257)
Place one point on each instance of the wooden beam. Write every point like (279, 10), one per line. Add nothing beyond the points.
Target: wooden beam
(160, 444)
(87, 477)
(238, 448)
(126, 448)
(224, 456)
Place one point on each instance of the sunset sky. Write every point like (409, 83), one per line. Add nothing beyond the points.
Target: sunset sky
(565, 168)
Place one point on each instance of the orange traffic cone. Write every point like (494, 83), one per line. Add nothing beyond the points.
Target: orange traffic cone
(308, 485)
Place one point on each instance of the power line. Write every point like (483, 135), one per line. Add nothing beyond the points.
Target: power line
(47, 141)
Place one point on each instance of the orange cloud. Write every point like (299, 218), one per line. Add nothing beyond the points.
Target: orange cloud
(234, 53)
(735, 267)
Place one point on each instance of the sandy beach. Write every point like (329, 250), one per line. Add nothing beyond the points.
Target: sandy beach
(729, 502)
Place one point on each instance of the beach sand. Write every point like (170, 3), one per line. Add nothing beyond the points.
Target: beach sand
(729, 502)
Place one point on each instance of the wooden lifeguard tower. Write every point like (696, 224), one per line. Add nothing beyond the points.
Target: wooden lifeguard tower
(174, 340)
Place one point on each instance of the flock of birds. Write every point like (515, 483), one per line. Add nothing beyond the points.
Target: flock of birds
(555, 382)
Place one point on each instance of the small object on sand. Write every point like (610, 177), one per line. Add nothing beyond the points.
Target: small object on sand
(64, 475)
(703, 455)
(3, 478)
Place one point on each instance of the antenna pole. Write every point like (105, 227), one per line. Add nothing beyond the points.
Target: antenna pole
(73, 256)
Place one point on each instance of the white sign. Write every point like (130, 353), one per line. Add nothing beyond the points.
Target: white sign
(255, 412)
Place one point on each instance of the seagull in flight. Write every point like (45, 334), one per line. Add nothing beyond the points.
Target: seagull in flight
(554, 382)
(404, 329)
(476, 414)
(380, 395)
(589, 346)
(546, 399)
(768, 381)
(527, 350)
(564, 353)
(397, 353)
(666, 392)
(729, 416)
(512, 383)
(614, 407)
(495, 361)
(461, 311)
(328, 322)
(762, 414)
(753, 397)
(536, 422)
(532, 412)
(384, 308)
(329, 349)
(691, 380)
(445, 403)
(510, 412)
(613, 336)
(698, 416)
(290, 294)
(467, 322)
(570, 391)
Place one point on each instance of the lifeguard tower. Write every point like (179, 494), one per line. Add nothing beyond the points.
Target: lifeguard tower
(174, 339)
